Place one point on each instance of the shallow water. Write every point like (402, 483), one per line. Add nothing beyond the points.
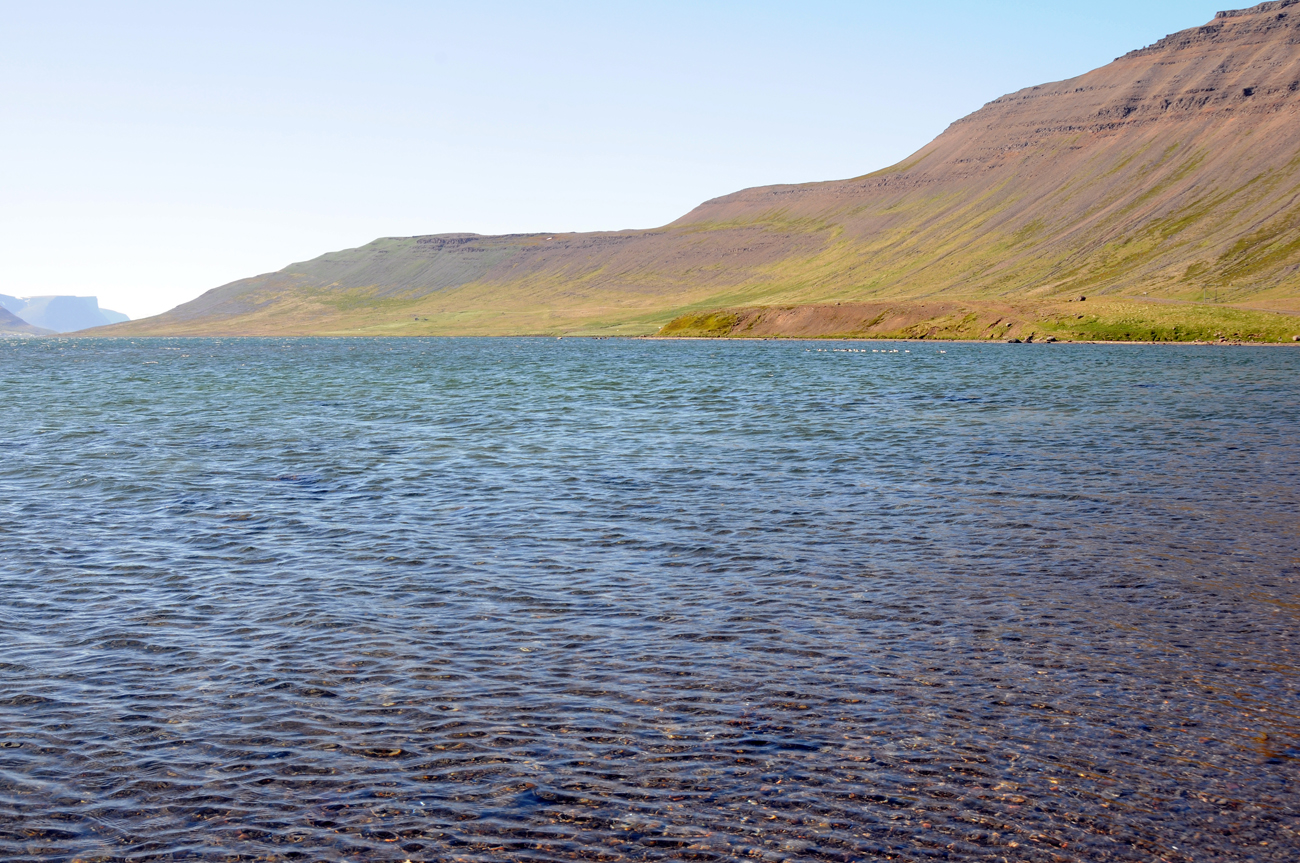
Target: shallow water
(553, 600)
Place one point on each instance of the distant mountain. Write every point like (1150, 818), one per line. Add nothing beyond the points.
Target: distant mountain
(12, 325)
(61, 314)
(1171, 174)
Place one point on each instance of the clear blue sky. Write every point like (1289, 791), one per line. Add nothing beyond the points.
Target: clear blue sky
(151, 151)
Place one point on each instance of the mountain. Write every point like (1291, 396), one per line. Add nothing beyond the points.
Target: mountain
(61, 314)
(12, 325)
(1165, 180)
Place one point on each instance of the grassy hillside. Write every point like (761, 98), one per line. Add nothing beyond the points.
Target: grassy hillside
(1171, 174)
(1023, 320)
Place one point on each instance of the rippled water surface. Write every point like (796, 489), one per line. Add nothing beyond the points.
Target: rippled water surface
(609, 600)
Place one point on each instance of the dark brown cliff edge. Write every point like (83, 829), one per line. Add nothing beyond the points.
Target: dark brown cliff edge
(1172, 173)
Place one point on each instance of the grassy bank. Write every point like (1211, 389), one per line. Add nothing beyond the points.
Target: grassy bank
(1115, 320)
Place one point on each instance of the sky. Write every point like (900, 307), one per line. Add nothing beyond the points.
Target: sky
(151, 151)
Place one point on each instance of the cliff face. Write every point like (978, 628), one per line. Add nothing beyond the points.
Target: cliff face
(1174, 171)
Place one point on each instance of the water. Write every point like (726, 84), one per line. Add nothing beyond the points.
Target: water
(609, 600)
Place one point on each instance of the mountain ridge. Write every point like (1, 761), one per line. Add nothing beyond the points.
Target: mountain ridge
(1172, 172)
(60, 313)
(12, 325)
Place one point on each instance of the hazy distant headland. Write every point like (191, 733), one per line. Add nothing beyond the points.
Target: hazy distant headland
(1164, 187)
(53, 314)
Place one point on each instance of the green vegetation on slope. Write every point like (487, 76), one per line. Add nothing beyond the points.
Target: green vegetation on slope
(973, 319)
(1169, 174)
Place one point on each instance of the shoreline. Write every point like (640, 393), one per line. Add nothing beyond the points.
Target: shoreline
(657, 338)
(1204, 344)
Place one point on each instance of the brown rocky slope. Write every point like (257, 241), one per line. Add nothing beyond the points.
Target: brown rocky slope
(1172, 173)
